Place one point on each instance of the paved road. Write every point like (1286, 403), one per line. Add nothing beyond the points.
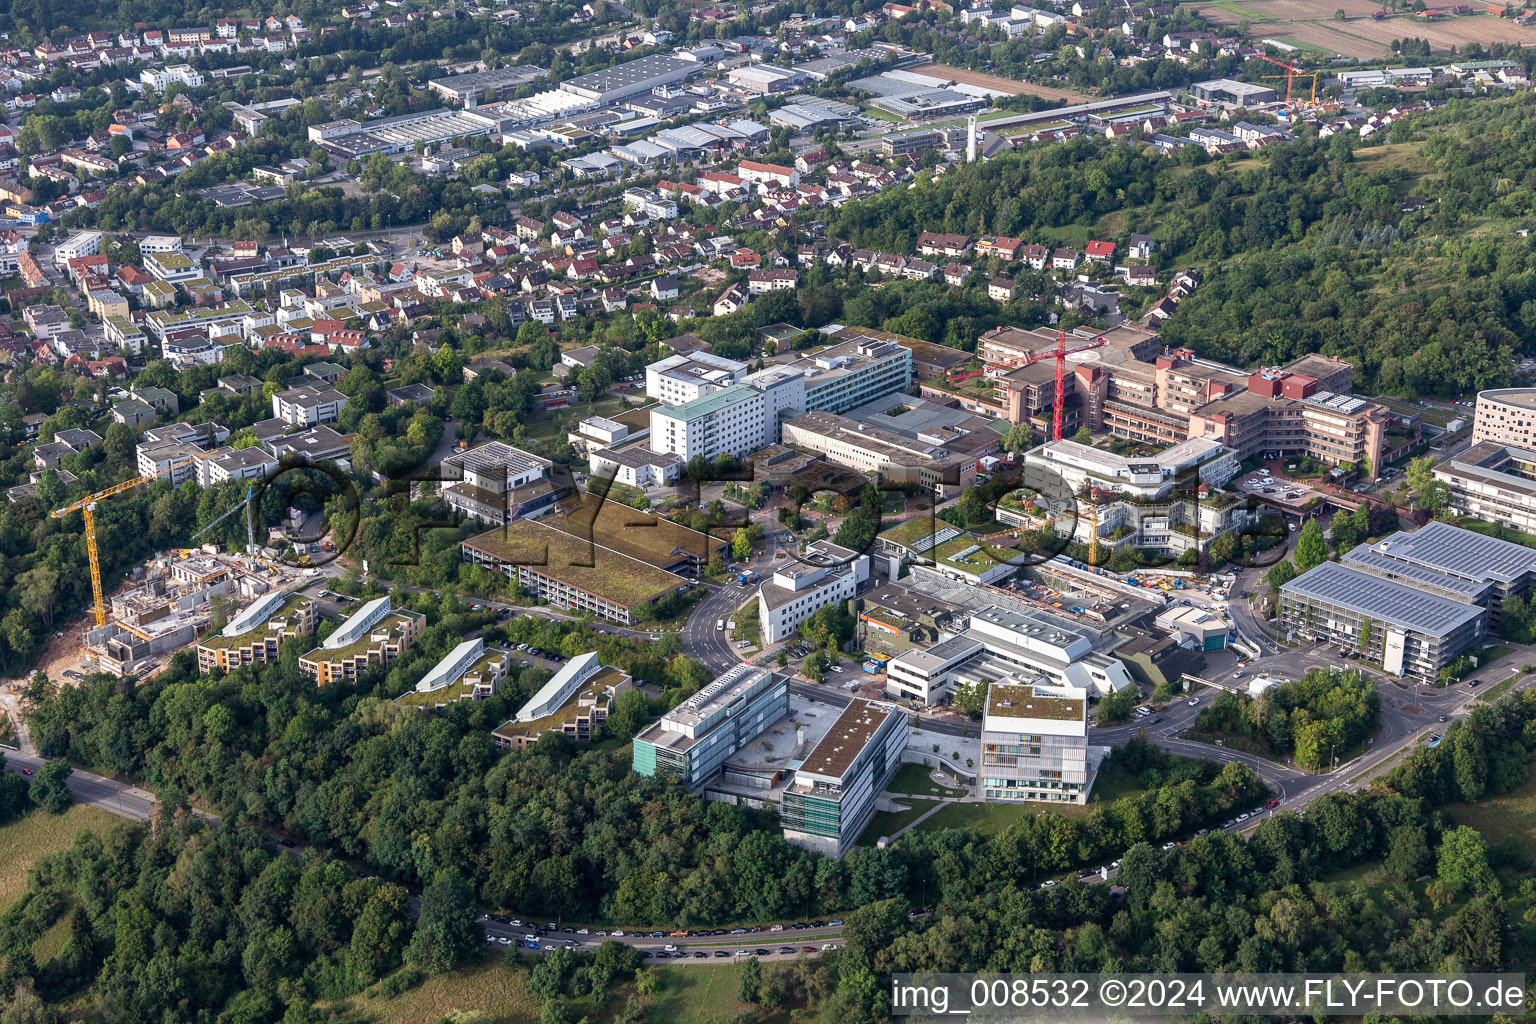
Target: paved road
(111, 796)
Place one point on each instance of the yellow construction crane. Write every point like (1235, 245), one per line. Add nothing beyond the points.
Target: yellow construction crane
(87, 507)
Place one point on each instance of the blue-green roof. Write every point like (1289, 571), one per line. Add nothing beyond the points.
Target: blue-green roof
(709, 403)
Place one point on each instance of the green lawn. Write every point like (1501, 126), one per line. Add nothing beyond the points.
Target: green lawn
(1498, 690)
(748, 626)
(913, 780)
(699, 995)
(36, 835)
(888, 823)
(1302, 44)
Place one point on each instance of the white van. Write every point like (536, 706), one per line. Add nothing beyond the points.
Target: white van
(719, 623)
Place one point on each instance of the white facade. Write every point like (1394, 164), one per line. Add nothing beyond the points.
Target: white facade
(1034, 743)
(795, 592)
(159, 243)
(307, 407)
(81, 243)
(1081, 465)
(730, 420)
(680, 379)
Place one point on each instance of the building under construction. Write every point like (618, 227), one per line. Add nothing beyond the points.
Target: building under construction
(171, 602)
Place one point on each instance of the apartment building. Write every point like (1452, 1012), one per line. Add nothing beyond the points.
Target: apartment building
(471, 671)
(833, 793)
(693, 740)
(825, 575)
(256, 635)
(308, 407)
(1034, 743)
(374, 636)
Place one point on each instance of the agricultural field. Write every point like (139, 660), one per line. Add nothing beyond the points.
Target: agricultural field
(1310, 25)
(1005, 85)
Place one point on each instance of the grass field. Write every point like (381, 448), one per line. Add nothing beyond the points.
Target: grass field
(1011, 86)
(25, 842)
(888, 823)
(1310, 25)
(1500, 817)
(500, 993)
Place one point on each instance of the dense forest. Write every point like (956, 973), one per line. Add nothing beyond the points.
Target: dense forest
(424, 798)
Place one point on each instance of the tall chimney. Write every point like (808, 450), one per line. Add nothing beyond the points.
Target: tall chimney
(970, 139)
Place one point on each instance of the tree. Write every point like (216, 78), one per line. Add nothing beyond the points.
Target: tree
(1311, 548)
(749, 980)
(1280, 574)
(971, 698)
(447, 934)
(1463, 862)
(1083, 436)
(1019, 439)
(1407, 852)
(50, 790)
(1428, 492)
(1342, 526)
(1366, 633)
(741, 545)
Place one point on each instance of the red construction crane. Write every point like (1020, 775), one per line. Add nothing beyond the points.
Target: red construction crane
(1061, 383)
(1290, 73)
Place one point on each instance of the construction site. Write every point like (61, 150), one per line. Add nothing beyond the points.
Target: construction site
(170, 602)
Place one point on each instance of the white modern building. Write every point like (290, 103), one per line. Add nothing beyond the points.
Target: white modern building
(826, 575)
(308, 407)
(1000, 643)
(1506, 416)
(679, 379)
(497, 483)
(81, 243)
(471, 671)
(1191, 462)
(1034, 742)
(572, 676)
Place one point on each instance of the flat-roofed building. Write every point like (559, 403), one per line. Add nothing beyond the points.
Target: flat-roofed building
(499, 483)
(825, 575)
(998, 643)
(486, 86)
(256, 635)
(574, 703)
(897, 460)
(628, 79)
(693, 740)
(1406, 628)
(471, 671)
(679, 379)
(308, 407)
(1458, 563)
(580, 574)
(1034, 743)
(1493, 482)
(833, 794)
(1506, 416)
(374, 636)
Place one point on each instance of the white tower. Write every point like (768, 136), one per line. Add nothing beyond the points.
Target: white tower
(970, 139)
